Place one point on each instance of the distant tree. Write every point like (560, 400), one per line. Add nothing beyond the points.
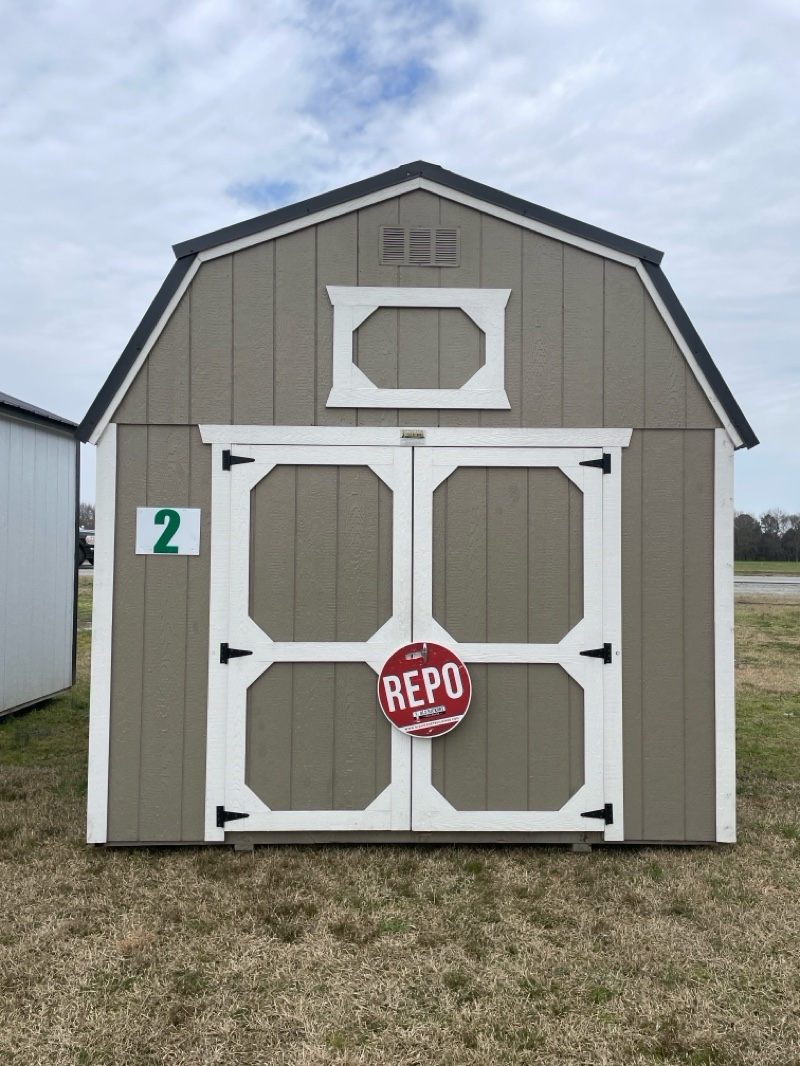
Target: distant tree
(774, 537)
(746, 536)
(791, 538)
(86, 516)
(774, 524)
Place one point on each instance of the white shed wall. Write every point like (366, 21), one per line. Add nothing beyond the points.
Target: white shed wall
(37, 562)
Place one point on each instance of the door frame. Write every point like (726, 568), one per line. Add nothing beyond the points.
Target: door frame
(222, 437)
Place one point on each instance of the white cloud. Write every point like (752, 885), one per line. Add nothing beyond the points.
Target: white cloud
(130, 127)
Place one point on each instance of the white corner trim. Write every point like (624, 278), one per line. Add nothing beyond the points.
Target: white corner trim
(147, 347)
(353, 305)
(102, 610)
(724, 677)
(688, 355)
(435, 437)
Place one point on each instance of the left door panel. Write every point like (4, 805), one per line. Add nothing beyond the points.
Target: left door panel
(311, 555)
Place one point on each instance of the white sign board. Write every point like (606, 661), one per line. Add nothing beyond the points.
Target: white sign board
(167, 530)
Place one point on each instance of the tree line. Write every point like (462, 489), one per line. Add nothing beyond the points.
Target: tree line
(774, 536)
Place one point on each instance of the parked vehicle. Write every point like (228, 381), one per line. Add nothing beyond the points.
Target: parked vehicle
(85, 546)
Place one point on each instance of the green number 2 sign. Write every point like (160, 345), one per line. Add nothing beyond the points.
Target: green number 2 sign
(173, 521)
(167, 531)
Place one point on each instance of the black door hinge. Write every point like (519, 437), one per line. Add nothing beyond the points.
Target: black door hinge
(603, 653)
(224, 816)
(606, 813)
(226, 653)
(603, 464)
(229, 460)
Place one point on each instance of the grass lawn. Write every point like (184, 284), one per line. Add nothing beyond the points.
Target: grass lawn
(405, 955)
(760, 567)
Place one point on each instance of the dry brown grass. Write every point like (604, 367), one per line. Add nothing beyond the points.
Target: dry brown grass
(401, 955)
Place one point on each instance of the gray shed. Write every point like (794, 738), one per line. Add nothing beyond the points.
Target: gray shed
(413, 410)
(38, 577)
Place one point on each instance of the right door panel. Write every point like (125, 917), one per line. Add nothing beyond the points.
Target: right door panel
(508, 560)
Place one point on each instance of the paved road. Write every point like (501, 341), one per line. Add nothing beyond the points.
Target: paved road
(779, 585)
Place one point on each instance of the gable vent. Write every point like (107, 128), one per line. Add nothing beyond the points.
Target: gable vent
(393, 245)
(437, 246)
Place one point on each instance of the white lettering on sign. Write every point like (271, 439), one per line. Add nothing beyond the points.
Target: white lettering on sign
(432, 680)
(430, 697)
(452, 681)
(412, 689)
(391, 686)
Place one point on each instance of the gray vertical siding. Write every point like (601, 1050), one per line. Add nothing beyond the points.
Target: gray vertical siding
(668, 635)
(507, 555)
(520, 747)
(250, 342)
(37, 584)
(160, 644)
(430, 349)
(316, 738)
(321, 550)
(508, 568)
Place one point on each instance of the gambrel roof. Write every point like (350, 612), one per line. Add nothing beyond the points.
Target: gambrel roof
(396, 182)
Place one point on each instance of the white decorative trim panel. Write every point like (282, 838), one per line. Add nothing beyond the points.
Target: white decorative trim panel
(352, 306)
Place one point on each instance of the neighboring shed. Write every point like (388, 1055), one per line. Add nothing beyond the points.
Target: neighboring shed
(413, 410)
(38, 580)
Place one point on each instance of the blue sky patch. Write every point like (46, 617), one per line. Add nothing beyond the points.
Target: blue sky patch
(264, 194)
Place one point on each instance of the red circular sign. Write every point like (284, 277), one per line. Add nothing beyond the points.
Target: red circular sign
(424, 689)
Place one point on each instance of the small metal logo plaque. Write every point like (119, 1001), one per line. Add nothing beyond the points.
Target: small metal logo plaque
(424, 689)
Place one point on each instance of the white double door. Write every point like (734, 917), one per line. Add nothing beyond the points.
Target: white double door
(531, 681)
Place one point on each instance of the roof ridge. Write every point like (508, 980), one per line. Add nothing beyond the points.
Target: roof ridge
(432, 172)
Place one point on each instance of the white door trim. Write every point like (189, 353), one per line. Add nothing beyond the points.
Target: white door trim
(230, 622)
(431, 436)
(613, 770)
(308, 438)
(431, 812)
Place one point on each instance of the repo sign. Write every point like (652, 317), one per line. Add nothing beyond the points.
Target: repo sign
(424, 689)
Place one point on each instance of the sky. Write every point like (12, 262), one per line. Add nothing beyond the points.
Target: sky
(128, 127)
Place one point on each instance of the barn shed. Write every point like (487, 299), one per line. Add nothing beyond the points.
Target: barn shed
(413, 413)
(38, 577)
